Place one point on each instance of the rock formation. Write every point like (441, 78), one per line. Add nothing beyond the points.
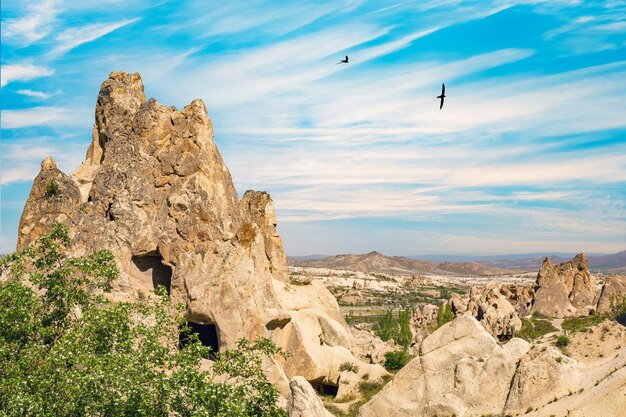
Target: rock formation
(462, 371)
(155, 191)
(369, 347)
(565, 290)
(303, 401)
(460, 368)
(494, 311)
(612, 295)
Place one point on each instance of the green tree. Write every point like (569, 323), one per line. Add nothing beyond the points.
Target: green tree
(405, 337)
(66, 351)
(386, 327)
(444, 314)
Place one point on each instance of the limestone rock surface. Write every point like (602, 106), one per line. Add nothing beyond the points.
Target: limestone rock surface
(494, 311)
(460, 370)
(564, 290)
(303, 401)
(612, 295)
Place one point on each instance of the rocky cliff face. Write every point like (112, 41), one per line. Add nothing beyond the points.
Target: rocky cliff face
(155, 191)
(564, 290)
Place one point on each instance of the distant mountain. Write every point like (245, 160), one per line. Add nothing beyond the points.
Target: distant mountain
(613, 263)
(375, 262)
(307, 257)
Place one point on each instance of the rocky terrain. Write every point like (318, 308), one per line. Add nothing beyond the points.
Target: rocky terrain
(155, 191)
(375, 262)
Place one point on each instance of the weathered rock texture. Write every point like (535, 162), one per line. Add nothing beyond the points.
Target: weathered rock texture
(565, 290)
(303, 401)
(494, 311)
(612, 295)
(369, 347)
(461, 370)
(155, 191)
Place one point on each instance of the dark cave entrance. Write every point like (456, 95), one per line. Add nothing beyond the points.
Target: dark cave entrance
(152, 272)
(324, 389)
(207, 334)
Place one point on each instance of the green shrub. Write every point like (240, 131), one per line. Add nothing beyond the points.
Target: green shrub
(119, 359)
(52, 188)
(444, 314)
(562, 341)
(576, 324)
(349, 366)
(396, 360)
(535, 327)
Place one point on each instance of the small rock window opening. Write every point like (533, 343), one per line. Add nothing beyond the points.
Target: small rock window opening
(207, 333)
(325, 389)
(149, 271)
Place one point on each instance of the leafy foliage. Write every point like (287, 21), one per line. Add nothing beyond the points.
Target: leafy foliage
(52, 188)
(350, 367)
(444, 314)
(66, 351)
(396, 360)
(388, 328)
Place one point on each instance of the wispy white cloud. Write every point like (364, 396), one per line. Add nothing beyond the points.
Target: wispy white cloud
(74, 37)
(21, 160)
(34, 25)
(44, 116)
(34, 94)
(23, 72)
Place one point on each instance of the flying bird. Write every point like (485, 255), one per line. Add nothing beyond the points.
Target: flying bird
(343, 61)
(443, 95)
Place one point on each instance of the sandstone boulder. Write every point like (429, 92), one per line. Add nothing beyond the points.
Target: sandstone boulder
(303, 401)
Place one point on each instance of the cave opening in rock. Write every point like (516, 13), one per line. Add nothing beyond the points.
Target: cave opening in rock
(207, 334)
(324, 389)
(149, 272)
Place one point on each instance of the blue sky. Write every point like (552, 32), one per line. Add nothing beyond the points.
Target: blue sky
(528, 154)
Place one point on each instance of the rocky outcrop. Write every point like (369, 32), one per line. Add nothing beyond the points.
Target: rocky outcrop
(369, 347)
(155, 191)
(520, 297)
(494, 311)
(542, 374)
(612, 295)
(460, 370)
(54, 197)
(565, 290)
(303, 401)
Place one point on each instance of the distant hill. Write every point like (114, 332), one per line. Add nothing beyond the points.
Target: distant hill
(375, 262)
(613, 263)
